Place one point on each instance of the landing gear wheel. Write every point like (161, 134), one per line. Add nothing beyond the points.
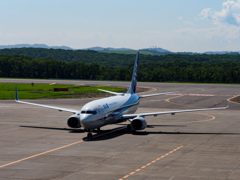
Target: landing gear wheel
(89, 136)
(98, 129)
(129, 128)
(133, 131)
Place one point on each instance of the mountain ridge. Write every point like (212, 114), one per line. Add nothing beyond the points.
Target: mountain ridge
(151, 51)
(34, 46)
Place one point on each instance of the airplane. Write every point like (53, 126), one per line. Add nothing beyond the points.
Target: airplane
(115, 109)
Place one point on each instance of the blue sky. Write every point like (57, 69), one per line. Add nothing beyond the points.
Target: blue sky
(175, 25)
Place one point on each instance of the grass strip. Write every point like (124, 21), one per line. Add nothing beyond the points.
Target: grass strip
(36, 91)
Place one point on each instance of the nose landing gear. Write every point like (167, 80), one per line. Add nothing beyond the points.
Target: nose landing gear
(89, 136)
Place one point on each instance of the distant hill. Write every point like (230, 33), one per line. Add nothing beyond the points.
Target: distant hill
(146, 51)
(157, 51)
(221, 52)
(34, 46)
(97, 48)
(154, 51)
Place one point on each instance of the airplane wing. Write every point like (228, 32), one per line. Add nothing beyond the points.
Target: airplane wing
(52, 107)
(127, 116)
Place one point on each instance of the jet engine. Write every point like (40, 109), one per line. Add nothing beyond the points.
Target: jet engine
(74, 121)
(138, 123)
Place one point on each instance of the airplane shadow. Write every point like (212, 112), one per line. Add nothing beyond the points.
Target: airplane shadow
(61, 129)
(113, 133)
(152, 126)
(119, 131)
(197, 133)
(101, 137)
(157, 125)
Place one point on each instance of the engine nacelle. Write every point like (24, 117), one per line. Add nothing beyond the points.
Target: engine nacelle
(74, 121)
(138, 123)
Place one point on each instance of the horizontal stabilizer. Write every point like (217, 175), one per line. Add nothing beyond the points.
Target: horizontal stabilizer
(148, 95)
(115, 93)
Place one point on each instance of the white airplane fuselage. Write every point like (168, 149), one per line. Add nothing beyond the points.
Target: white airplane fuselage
(98, 113)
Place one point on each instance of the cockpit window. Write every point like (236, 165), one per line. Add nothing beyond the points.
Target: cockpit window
(89, 112)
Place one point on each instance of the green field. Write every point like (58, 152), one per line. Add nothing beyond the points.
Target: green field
(36, 91)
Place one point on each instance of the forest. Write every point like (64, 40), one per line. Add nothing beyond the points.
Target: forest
(113, 59)
(165, 68)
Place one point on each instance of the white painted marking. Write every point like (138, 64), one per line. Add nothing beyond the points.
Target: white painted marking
(175, 94)
(191, 164)
(201, 95)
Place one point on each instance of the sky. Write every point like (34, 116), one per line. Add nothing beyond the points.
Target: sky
(175, 25)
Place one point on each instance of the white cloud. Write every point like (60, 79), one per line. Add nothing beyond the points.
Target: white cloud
(225, 33)
(219, 38)
(230, 13)
(206, 13)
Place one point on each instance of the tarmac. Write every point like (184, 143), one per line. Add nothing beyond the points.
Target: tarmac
(36, 142)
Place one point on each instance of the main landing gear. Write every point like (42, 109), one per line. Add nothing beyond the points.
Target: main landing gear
(130, 129)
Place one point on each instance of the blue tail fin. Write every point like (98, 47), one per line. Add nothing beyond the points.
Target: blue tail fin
(133, 87)
(16, 94)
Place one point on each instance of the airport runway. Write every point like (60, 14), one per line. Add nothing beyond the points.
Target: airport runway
(36, 142)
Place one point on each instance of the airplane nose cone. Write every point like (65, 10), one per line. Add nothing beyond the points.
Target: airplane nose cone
(90, 121)
(85, 121)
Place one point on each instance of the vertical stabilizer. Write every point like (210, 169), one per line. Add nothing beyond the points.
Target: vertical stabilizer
(133, 87)
(16, 94)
